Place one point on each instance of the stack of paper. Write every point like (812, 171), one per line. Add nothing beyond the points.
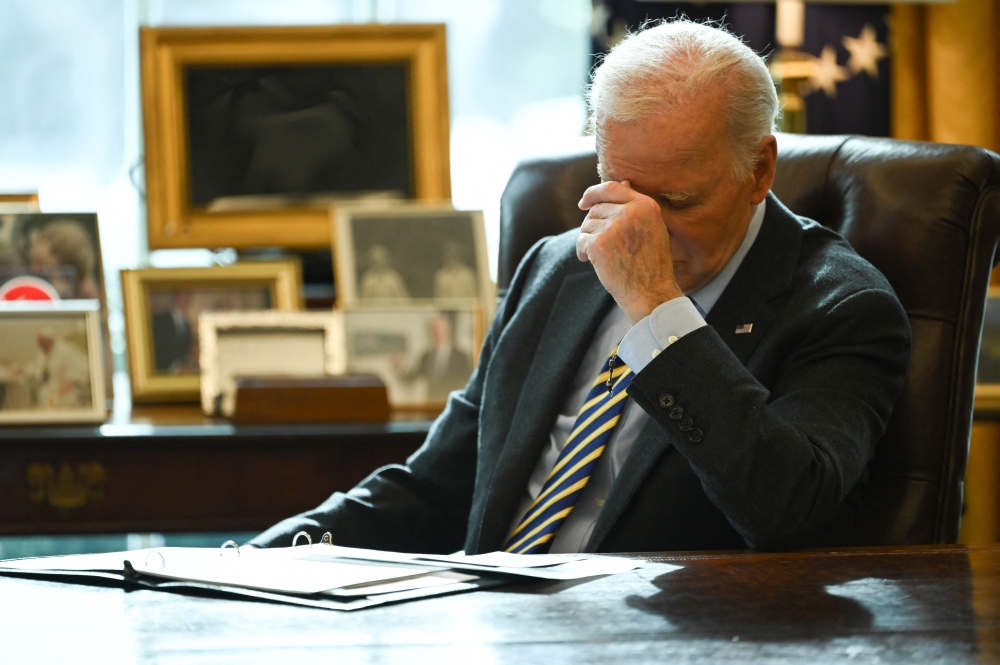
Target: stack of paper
(317, 575)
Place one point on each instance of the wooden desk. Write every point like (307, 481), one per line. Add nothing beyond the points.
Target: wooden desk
(924, 604)
(171, 469)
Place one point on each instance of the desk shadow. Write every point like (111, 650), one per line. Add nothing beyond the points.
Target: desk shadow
(796, 597)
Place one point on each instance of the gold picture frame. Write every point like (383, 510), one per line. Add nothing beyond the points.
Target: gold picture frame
(157, 372)
(234, 344)
(170, 54)
(52, 363)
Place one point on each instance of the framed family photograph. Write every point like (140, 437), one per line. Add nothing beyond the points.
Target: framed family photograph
(50, 257)
(420, 353)
(251, 133)
(410, 253)
(162, 306)
(265, 344)
(51, 362)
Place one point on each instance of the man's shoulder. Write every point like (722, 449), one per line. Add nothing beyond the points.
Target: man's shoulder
(829, 262)
(553, 258)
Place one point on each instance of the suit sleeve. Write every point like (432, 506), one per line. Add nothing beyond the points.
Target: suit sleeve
(424, 505)
(779, 463)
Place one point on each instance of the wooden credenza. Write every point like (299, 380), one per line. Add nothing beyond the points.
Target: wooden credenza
(170, 469)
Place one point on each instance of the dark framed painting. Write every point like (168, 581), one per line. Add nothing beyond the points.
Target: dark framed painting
(251, 133)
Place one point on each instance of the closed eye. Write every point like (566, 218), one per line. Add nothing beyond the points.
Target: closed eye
(678, 201)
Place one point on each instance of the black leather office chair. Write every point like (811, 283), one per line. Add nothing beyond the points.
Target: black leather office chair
(926, 215)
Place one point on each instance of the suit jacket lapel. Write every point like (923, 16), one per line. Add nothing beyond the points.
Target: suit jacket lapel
(580, 306)
(765, 273)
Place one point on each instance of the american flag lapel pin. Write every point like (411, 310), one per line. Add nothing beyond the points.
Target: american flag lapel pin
(745, 329)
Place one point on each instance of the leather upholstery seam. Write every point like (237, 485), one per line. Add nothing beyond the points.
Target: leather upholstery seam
(829, 168)
(948, 467)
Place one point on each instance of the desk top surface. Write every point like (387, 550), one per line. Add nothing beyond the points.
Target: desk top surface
(187, 420)
(878, 605)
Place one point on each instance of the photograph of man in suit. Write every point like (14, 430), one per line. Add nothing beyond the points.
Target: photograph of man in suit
(443, 366)
(695, 368)
(173, 334)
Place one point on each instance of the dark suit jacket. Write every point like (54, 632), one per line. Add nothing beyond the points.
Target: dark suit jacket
(171, 343)
(790, 413)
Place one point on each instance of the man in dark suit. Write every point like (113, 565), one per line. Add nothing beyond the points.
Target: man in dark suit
(444, 367)
(696, 368)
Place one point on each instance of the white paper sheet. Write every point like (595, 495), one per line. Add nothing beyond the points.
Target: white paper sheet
(322, 568)
(285, 576)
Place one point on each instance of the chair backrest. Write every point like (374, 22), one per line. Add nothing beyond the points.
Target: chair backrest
(926, 215)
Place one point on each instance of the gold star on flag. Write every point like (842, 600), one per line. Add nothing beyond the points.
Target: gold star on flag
(826, 72)
(865, 52)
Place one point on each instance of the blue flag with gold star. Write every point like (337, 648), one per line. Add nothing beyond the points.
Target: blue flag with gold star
(849, 90)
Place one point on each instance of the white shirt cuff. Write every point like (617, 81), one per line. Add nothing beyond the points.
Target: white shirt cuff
(665, 325)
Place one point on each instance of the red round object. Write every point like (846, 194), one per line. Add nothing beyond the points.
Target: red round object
(28, 288)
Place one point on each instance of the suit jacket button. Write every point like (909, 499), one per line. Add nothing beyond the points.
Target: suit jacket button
(666, 401)
(695, 435)
(675, 413)
(685, 424)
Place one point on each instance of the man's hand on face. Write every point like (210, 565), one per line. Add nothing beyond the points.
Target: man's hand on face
(625, 238)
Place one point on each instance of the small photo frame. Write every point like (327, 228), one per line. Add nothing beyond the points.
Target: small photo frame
(420, 353)
(988, 368)
(50, 257)
(410, 253)
(271, 344)
(162, 306)
(51, 363)
(19, 202)
(251, 132)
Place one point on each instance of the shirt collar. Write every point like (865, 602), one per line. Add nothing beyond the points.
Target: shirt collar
(705, 298)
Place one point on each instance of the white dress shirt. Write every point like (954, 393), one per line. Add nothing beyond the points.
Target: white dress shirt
(639, 345)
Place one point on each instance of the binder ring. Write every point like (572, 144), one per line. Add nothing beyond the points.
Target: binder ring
(228, 543)
(295, 538)
(163, 562)
(327, 539)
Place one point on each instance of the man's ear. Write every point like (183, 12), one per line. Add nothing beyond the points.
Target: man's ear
(766, 154)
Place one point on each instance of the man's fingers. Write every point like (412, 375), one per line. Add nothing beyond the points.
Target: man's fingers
(600, 216)
(606, 192)
(582, 244)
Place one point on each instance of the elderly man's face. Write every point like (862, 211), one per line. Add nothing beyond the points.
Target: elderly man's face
(682, 160)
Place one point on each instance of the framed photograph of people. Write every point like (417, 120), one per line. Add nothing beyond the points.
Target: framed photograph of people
(262, 344)
(50, 257)
(988, 370)
(251, 133)
(420, 353)
(410, 253)
(51, 362)
(162, 306)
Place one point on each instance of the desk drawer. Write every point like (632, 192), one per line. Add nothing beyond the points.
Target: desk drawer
(181, 483)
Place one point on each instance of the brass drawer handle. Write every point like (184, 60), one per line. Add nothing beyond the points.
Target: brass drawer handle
(67, 489)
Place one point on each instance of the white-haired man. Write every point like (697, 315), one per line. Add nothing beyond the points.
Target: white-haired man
(696, 368)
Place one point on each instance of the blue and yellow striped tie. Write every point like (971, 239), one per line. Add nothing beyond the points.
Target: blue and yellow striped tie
(597, 418)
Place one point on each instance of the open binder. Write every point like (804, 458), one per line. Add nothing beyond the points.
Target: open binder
(313, 575)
